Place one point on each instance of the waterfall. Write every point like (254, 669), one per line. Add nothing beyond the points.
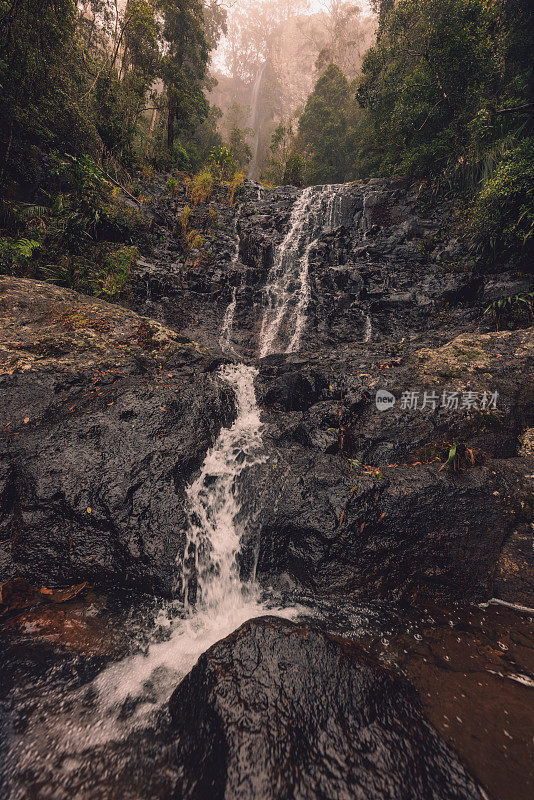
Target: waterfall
(287, 292)
(368, 329)
(225, 336)
(254, 120)
(214, 533)
(216, 600)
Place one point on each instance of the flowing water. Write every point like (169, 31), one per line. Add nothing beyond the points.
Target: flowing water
(287, 293)
(225, 336)
(78, 736)
(216, 600)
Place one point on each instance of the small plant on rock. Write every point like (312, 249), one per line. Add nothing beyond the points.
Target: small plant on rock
(511, 312)
(460, 457)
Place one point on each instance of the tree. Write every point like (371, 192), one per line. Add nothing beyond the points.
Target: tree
(41, 99)
(323, 129)
(280, 149)
(184, 66)
(236, 134)
(435, 67)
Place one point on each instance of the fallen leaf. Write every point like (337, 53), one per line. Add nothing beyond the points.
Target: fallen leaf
(19, 593)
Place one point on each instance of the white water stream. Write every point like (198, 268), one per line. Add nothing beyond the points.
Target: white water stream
(223, 602)
(216, 600)
(225, 336)
(287, 292)
(215, 596)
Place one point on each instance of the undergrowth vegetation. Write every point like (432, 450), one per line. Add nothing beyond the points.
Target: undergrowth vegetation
(80, 235)
(445, 96)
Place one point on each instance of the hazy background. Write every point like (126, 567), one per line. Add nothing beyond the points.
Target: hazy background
(273, 53)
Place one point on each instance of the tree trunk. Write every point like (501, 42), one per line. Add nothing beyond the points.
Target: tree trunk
(170, 124)
(151, 131)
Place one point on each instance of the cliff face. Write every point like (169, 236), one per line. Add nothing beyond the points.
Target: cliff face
(351, 499)
(304, 391)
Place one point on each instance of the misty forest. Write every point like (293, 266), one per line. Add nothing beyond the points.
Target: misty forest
(266, 415)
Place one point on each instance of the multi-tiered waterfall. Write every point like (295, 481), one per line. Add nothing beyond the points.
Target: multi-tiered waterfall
(216, 599)
(287, 292)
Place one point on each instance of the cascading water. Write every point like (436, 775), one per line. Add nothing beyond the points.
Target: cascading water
(217, 601)
(254, 120)
(288, 290)
(225, 336)
(214, 535)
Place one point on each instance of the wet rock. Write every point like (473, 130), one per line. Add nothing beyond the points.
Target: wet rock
(314, 716)
(514, 571)
(105, 417)
(383, 255)
(354, 500)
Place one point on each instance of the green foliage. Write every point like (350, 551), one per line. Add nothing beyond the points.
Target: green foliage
(238, 148)
(222, 163)
(183, 67)
(82, 82)
(235, 186)
(294, 170)
(515, 311)
(200, 187)
(173, 185)
(446, 94)
(278, 170)
(39, 81)
(235, 131)
(83, 239)
(503, 212)
(323, 129)
(460, 457)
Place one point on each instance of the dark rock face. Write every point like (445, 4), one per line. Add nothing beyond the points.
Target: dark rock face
(357, 500)
(387, 260)
(280, 710)
(104, 419)
(349, 499)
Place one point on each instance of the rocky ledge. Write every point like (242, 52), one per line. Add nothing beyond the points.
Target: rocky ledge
(105, 417)
(388, 267)
(261, 717)
(422, 499)
(108, 415)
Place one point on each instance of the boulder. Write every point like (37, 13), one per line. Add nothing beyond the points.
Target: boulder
(105, 417)
(355, 500)
(279, 710)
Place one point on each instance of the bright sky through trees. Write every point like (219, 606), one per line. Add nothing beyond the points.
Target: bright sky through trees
(239, 7)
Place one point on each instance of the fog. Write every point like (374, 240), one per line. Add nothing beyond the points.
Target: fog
(273, 52)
